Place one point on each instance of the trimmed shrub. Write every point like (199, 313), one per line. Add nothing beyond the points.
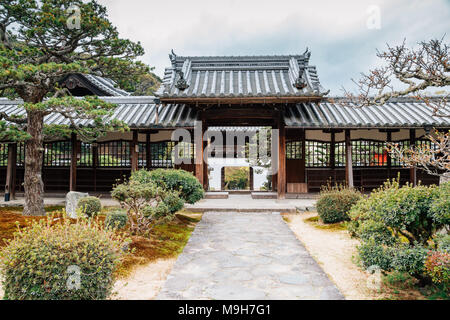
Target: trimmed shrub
(410, 259)
(437, 266)
(63, 261)
(116, 219)
(440, 208)
(90, 206)
(398, 227)
(189, 187)
(147, 204)
(334, 203)
(373, 254)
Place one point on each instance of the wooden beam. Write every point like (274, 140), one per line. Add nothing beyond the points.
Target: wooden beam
(241, 100)
(412, 144)
(348, 159)
(281, 176)
(73, 163)
(148, 151)
(10, 187)
(134, 152)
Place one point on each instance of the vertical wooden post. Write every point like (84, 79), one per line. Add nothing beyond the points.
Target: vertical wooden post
(73, 162)
(333, 155)
(281, 176)
(133, 152)
(95, 163)
(251, 179)
(198, 140)
(348, 159)
(10, 187)
(148, 151)
(412, 144)
(205, 162)
(388, 155)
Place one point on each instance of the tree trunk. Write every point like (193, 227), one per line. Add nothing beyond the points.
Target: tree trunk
(33, 184)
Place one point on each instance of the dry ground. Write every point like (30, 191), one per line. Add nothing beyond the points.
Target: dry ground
(335, 251)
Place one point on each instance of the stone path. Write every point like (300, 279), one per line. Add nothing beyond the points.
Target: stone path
(246, 256)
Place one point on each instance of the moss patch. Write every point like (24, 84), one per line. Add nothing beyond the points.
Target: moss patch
(165, 241)
(317, 223)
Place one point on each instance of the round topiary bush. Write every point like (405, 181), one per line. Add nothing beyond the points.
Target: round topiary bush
(90, 206)
(334, 203)
(189, 187)
(61, 261)
(116, 219)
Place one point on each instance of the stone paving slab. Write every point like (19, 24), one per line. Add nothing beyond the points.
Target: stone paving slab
(246, 256)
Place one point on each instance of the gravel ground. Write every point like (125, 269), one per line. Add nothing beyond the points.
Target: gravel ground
(333, 250)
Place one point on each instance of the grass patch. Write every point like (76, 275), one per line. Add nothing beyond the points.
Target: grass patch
(317, 223)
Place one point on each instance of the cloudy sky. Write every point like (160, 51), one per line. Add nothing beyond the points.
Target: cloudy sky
(342, 35)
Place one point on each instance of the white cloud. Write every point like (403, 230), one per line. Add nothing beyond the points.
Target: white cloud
(335, 31)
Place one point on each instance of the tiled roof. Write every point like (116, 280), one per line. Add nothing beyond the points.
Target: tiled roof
(142, 112)
(240, 77)
(97, 85)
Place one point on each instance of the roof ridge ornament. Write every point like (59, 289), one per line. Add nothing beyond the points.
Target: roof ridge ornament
(173, 57)
(181, 83)
(307, 54)
(300, 82)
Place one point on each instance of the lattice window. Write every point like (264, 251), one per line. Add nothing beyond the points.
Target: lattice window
(114, 154)
(162, 154)
(339, 154)
(294, 150)
(317, 154)
(3, 155)
(366, 153)
(57, 154)
(142, 155)
(86, 155)
(185, 150)
(395, 162)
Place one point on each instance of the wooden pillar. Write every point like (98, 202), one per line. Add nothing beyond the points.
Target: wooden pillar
(10, 187)
(348, 159)
(148, 151)
(281, 176)
(388, 155)
(251, 180)
(134, 145)
(199, 167)
(333, 155)
(95, 163)
(73, 162)
(205, 162)
(412, 144)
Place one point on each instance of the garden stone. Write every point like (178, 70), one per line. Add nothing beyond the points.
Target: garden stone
(72, 199)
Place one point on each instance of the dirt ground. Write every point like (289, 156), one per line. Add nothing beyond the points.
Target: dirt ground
(145, 282)
(334, 250)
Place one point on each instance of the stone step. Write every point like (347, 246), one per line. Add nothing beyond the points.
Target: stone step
(216, 195)
(264, 195)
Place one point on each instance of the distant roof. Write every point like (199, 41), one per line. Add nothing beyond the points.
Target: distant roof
(97, 85)
(143, 113)
(240, 77)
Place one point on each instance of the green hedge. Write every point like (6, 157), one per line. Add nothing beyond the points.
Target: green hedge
(189, 187)
(334, 203)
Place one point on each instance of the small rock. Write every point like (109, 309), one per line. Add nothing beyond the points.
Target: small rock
(72, 199)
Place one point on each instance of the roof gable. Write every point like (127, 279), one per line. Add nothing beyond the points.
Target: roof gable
(240, 77)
